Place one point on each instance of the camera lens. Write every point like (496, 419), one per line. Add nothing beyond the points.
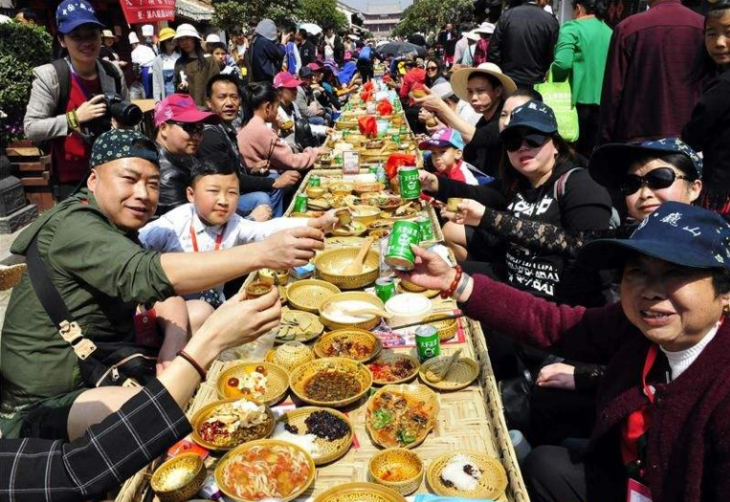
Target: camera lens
(126, 113)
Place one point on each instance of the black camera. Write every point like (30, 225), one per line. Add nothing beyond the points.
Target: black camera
(125, 113)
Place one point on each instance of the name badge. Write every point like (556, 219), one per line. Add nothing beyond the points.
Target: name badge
(636, 492)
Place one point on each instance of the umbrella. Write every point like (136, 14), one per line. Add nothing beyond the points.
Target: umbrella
(401, 49)
(311, 28)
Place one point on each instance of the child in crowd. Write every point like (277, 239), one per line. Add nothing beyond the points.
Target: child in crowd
(447, 149)
(210, 223)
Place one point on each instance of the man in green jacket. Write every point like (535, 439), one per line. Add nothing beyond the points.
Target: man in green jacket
(88, 245)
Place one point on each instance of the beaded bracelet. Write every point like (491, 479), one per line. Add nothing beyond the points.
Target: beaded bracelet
(194, 364)
(454, 284)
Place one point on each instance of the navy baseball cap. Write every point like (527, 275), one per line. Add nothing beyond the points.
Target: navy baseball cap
(534, 115)
(678, 233)
(306, 72)
(610, 163)
(71, 14)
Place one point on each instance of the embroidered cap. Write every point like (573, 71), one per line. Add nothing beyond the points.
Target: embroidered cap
(610, 163)
(677, 233)
(122, 144)
(71, 14)
(442, 138)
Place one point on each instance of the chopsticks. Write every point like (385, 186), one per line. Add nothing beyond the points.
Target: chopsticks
(419, 323)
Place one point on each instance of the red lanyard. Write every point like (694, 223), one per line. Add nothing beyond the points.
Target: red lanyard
(638, 422)
(218, 239)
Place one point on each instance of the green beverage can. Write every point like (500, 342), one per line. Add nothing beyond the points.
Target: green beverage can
(428, 343)
(373, 170)
(314, 181)
(396, 138)
(410, 184)
(385, 288)
(424, 224)
(300, 204)
(398, 254)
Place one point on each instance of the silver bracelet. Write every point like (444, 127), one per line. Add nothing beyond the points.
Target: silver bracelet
(462, 287)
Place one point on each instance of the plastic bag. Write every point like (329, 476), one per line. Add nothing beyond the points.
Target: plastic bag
(559, 97)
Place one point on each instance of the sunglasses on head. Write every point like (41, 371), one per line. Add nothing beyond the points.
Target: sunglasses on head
(533, 139)
(191, 128)
(656, 179)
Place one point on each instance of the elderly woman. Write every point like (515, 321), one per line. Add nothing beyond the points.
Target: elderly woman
(663, 408)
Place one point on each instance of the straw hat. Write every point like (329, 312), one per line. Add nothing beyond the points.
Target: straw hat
(460, 78)
(187, 30)
(166, 34)
(108, 34)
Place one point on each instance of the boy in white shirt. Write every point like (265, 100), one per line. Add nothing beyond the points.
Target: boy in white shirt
(210, 223)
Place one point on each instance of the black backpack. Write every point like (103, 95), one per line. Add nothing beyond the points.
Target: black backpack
(64, 80)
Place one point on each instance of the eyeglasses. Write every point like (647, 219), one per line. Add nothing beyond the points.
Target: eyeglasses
(534, 140)
(656, 179)
(432, 68)
(191, 128)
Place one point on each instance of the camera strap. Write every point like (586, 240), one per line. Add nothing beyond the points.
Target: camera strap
(79, 81)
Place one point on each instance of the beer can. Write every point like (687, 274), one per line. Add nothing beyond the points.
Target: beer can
(410, 184)
(424, 224)
(396, 138)
(300, 203)
(314, 181)
(428, 343)
(373, 170)
(398, 254)
(385, 288)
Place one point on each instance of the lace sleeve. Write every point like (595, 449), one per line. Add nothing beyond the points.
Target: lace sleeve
(544, 236)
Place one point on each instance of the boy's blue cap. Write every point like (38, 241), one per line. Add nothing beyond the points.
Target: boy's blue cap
(443, 138)
(678, 233)
(71, 14)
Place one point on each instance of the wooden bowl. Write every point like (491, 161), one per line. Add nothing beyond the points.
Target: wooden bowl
(206, 411)
(331, 263)
(267, 275)
(309, 294)
(276, 386)
(230, 493)
(351, 296)
(447, 328)
(415, 392)
(462, 373)
(360, 492)
(391, 357)
(302, 374)
(361, 336)
(192, 465)
(491, 485)
(397, 461)
(290, 355)
(365, 214)
(327, 451)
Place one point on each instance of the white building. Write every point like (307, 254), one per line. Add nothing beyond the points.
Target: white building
(382, 19)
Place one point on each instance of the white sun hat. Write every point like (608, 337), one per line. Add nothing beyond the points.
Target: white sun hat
(187, 30)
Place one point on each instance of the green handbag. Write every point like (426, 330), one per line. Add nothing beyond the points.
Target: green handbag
(558, 96)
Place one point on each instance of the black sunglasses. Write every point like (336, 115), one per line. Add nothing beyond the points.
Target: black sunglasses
(432, 67)
(513, 142)
(191, 128)
(656, 179)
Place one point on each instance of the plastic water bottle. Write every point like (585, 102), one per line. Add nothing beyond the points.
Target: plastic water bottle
(380, 174)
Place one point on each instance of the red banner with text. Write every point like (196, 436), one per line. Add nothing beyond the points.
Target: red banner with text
(148, 11)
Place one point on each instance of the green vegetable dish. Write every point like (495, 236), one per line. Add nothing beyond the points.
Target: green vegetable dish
(399, 419)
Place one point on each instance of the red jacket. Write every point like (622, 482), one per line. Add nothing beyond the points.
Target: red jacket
(647, 89)
(688, 452)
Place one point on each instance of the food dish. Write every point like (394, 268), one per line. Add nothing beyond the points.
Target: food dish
(309, 294)
(462, 373)
(360, 492)
(298, 326)
(226, 424)
(331, 263)
(334, 312)
(324, 433)
(350, 343)
(179, 478)
(265, 469)
(467, 474)
(401, 415)
(398, 469)
(262, 382)
(353, 229)
(392, 368)
(333, 382)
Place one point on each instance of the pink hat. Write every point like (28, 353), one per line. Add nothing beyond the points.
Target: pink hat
(181, 108)
(315, 66)
(286, 79)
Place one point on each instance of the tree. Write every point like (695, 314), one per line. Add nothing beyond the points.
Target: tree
(324, 13)
(427, 15)
(235, 13)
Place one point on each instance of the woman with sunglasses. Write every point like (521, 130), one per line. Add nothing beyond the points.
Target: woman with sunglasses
(663, 408)
(709, 128)
(433, 73)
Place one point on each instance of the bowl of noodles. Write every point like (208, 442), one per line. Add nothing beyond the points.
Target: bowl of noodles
(268, 468)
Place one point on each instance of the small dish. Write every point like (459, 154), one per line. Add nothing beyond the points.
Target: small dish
(179, 478)
(461, 374)
(398, 469)
(408, 308)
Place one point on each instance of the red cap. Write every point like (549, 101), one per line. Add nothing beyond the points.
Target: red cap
(286, 79)
(315, 66)
(181, 108)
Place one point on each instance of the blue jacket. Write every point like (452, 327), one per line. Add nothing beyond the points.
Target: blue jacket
(266, 59)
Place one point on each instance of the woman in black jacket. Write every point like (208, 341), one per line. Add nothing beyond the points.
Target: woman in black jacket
(709, 128)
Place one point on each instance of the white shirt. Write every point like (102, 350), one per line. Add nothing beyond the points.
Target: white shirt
(168, 60)
(171, 232)
(681, 360)
(143, 56)
(466, 112)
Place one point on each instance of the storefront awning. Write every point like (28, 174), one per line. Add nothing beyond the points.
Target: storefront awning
(194, 10)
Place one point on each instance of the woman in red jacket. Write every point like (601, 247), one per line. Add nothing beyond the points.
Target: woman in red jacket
(663, 408)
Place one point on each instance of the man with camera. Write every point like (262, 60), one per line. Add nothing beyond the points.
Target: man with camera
(85, 251)
(69, 101)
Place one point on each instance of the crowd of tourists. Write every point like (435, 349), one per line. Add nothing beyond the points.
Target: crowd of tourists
(597, 263)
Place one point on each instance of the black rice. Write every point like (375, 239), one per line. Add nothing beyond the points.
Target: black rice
(327, 426)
